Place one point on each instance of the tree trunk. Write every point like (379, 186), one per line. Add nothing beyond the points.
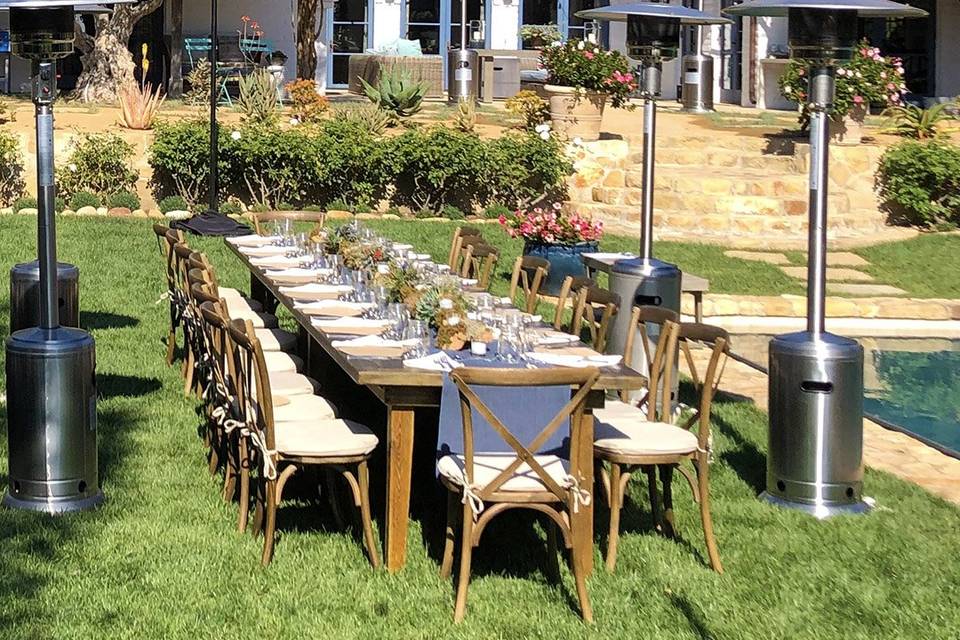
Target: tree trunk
(175, 90)
(107, 62)
(309, 28)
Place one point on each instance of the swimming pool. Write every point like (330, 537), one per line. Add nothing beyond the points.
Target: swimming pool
(910, 384)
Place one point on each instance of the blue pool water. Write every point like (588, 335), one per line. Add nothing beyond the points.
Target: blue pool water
(911, 384)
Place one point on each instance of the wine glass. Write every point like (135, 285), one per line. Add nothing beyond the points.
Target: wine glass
(418, 331)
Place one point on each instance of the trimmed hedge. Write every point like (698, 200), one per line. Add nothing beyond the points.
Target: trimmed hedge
(341, 161)
(919, 183)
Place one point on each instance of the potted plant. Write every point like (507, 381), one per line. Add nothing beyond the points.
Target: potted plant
(559, 237)
(537, 36)
(867, 79)
(580, 80)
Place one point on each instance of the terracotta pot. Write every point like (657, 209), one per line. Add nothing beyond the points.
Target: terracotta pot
(576, 114)
(849, 129)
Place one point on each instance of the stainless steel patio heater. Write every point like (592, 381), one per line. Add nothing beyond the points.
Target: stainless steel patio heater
(653, 37)
(815, 457)
(462, 65)
(696, 81)
(51, 388)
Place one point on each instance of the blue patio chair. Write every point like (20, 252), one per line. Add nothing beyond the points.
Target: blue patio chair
(198, 49)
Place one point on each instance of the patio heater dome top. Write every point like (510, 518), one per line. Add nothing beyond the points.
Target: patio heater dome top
(863, 8)
(622, 13)
(79, 5)
(44, 29)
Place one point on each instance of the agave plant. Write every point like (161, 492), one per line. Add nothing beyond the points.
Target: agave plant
(368, 116)
(258, 97)
(139, 105)
(911, 121)
(466, 118)
(397, 92)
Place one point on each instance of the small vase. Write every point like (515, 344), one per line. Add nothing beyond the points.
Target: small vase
(574, 113)
(565, 260)
(849, 129)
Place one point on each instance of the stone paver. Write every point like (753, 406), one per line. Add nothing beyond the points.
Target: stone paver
(883, 449)
(864, 289)
(845, 259)
(835, 274)
(758, 256)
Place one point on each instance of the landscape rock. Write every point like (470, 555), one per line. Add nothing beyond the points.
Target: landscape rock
(120, 211)
(6, 211)
(28, 211)
(87, 211)
(178, 214)
(68, 212)
(155, 213)
(102, 211)
(337, 214)
(139, 213)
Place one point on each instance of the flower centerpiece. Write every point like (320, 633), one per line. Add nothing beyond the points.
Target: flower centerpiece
(401, 280)
(444, 307)
(867, 79)
(536, 36)
(557, 236)
(360, 254)
(580, 79)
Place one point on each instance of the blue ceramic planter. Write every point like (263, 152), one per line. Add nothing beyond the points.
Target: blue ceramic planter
(564, 261)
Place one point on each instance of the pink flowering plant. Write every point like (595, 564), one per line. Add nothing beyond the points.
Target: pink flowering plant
(583, 65)
(868, 79)
(551, 225)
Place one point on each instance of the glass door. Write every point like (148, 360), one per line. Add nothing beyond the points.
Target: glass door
(731, 57)
(350, 34)
(476, 37)
(578, 27)
(424, 21)
(539, 13)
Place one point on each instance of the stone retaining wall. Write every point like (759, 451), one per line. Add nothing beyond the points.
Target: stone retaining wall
(793, 306)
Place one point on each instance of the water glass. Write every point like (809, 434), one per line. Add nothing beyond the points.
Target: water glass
(418, 331)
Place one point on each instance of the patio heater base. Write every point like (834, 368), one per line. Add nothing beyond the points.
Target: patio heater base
(821, 512)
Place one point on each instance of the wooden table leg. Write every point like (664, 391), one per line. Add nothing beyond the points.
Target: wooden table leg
(583, 519)
(399, 471)
(698, 306)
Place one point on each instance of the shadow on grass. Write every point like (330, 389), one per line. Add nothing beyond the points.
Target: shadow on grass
(111, 386)
(93, 320)
(693, 616)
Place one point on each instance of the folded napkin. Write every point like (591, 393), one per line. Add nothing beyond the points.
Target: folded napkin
(555, 337)
(316, 291)
(252, 240)
(576, 361)
(469, 282)
(373, 346)
(294, 275)
(398, 246)
(279, 262)
(352, 326)
(439, 361)
(264, 251)
(337, 308)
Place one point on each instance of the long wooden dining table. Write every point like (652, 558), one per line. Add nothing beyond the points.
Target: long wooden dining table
(405, 391)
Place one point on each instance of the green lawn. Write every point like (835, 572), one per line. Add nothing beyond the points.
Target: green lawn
(925, 266)
(161, 559)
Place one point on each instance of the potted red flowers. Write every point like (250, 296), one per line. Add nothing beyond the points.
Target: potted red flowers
(581, 78)
(559, 237)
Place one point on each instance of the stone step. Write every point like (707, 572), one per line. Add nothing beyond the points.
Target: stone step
(727, 203)
(771, 144)
(834, 274)
(864, 290)
(722, 158)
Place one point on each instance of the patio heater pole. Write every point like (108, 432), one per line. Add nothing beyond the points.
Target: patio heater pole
(815, 453)
(650, 74)
(214, 185)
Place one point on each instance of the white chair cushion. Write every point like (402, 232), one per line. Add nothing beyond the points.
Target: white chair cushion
(276, 339)
(487, 467)
(324, 438)
(258, 319)
(280, 362)
(239, 305)
(232, 296)
(617, 409)
(291, 384)
(304, 407)
(634, 436)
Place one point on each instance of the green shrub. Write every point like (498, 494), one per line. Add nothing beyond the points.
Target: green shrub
(84, 199)
(911, 121)
(496, 210)
(230, 208)
(199, 81)
(173, 203)
(99, 163)
(258, 97)
(452, 212)
(393, 211)
(425, 213)
(259, 208)
(338, 205)
(24, 202)
(396, 92)
(12, 184)
(314, 208)
(353, 164)
(59, 204)
(919, 183)
(180, 157)
(437, 166)
(530, 108)
(523, 167)
(125, 199)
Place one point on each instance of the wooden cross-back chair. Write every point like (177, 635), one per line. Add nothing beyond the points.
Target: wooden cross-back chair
(567, 296)
(277, 450)
(641, 319)
(651, 441)
(318, 218)
(478, 262)
(483, 486)
(456, 242)
(597, 308)
(166, 238)
(528, 275)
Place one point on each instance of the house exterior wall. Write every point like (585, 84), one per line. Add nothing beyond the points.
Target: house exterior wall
(947, 56)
